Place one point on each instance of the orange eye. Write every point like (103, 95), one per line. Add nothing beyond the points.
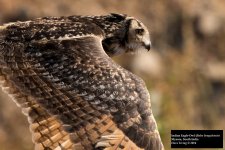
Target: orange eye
(139, 31)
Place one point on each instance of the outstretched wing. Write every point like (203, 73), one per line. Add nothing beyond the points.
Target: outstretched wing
(77, 97)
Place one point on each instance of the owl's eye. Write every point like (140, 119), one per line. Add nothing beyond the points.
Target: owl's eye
(139, 31)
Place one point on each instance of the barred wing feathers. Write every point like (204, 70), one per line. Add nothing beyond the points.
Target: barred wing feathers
(76, 97)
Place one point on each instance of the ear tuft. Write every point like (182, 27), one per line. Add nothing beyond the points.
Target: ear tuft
(118, 16)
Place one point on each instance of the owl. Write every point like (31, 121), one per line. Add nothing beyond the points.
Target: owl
(60, 72)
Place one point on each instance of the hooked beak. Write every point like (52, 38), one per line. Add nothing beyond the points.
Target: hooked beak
(147, 46)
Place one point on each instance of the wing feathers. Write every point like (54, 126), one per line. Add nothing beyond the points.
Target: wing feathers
(46, 130)
(76, 97)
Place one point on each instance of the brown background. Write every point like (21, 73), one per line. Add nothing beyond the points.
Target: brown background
(184, 72)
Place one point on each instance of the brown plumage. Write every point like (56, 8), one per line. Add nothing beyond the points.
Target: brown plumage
(58, 71)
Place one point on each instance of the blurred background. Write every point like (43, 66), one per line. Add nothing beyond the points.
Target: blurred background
(184, 71)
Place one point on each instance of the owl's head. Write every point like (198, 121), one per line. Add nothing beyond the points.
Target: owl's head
(129, 36)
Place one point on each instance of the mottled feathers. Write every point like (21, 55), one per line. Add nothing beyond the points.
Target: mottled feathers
(57, 69)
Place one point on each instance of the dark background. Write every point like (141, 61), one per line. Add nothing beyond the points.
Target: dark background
(184, 71)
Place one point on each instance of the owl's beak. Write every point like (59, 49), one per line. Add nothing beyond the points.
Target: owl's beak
(148, 46)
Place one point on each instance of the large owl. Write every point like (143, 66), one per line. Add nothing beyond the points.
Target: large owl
(59, 71)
